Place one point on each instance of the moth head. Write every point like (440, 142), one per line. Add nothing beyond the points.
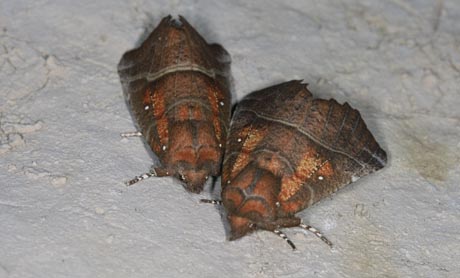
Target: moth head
(240, 226)
(252, 215)
(193, 180)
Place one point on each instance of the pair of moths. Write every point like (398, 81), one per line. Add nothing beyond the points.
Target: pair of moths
(283, 150)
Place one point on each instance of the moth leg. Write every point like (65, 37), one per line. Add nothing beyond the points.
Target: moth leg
(154, 172)
(208, 201)
(284, 236)
(131, 134)
(316, 232)
(296, 222)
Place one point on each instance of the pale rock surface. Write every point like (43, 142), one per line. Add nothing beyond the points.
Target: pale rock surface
(65, 212)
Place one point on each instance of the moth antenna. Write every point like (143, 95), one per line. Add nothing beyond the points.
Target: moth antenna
(284, 236)
(144, 176)
(131, 134)
(214, 202)
(316, 232)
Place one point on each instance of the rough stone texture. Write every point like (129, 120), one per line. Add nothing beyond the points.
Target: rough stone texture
(64, 210)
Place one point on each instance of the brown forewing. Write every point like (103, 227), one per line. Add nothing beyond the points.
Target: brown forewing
(176, 86)
(313, 146)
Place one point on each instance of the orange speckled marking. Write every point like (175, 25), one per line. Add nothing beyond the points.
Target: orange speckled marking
(217, 128)
(251, 138)
(158, 100)
(307, 167)
(326, 170)
(240, 162)
(214, 102)
(250, 142)
(147, 99)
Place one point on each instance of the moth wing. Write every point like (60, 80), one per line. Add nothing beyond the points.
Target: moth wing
(343, 148)
(237, 155)
(139, 62)
(346, 151)
(336, 127)
(340, 129)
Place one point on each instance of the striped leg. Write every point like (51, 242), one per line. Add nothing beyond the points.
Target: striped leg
(316, 232)
(144, 176)
(214, 202)
(131, 134)
(284, 236)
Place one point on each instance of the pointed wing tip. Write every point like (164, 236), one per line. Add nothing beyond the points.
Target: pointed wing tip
(169, 20)
(183, 21)
(301, 85)
(296, 81)
(382, 158)
(378, 160)
(166, 20)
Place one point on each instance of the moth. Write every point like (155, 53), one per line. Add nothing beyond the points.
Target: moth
(177, 88)
(286, 151)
